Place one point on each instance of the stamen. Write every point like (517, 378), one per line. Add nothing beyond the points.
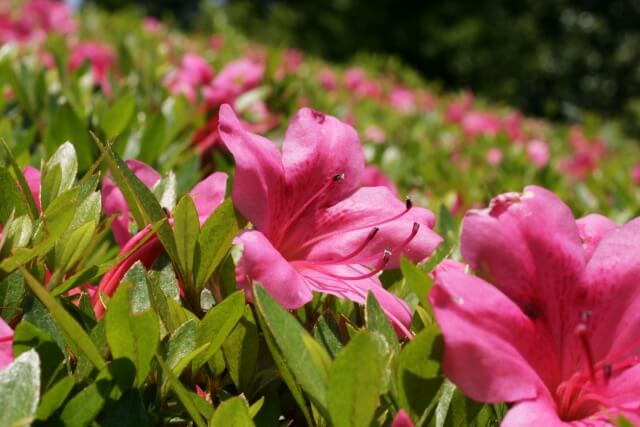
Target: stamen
(8, 338)
(351, 255)
(581, 332)
(311, 242)
(377, 269)
(337, 178)
(607, 371)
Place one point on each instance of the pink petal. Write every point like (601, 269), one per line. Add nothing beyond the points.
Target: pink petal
(592, 229)
(32, 176)
(259, 175)
(208, 194)
(6, 344)
(342, 229)
(402, 420)
(612, 276)
(374, 177)
(316, 148)
(262, 263)
(329, 279)
(493, 352)
(529, 245)
(537, 413)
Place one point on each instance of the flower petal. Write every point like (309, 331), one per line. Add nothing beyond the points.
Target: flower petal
(592, 229)
(262, 263)
(340, 230)
(493, 352)
(537, 413)
(32, 176)
(6, 344)
(208, 194)
(330, 279)
(316, 148)
(259, 174)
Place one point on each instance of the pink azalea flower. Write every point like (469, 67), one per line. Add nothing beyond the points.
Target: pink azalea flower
(236, 78)
(513, 126)
(151, 25)
(314, 228)
(35, 20)
(494, 156)
(113, 202)
(374, 134)
(374, 177)
(402, 99)
(207, 196)
(538, 152)
(102, 59)
(457, 109)
(327, 79)
(554, 329)
(192, 73)
(6, 344)
(216, 42)
(477, 123)
(32, 176)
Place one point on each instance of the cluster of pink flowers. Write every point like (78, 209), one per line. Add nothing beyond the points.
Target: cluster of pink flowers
(34, 21)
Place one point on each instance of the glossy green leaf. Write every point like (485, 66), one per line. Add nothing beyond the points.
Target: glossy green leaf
(377, 321)
(186, 228)
(54, 398)
(11, 199)
(67, 126)
(232, 412)
(355, 382)
(241, 351)
(20, 390)
(118, 115)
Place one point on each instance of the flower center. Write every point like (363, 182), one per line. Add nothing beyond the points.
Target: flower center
(585, 394)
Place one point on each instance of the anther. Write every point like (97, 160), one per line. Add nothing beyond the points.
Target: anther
(338, 177)
(373, 233)
(607, 370)
(408, 203)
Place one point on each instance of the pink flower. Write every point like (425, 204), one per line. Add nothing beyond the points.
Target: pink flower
(513, 126)
(457, 109)
(374, 134)
(314, 228)
(32, 176)
(192, 73)
(374, 177)
(354, 77)
(102, 59)
(538, 152)
(327, 79)
(358, 83)
(207, 196)
(151, 25)
(477, 123)
(402, 99)
(494, 156)
(234, 79)
(6, 344)
(555, 330)
(35, 20)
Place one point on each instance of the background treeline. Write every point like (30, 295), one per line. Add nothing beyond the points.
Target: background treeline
(555, 58)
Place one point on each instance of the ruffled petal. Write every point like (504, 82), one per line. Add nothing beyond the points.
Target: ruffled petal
(493, 352)
(208, 194)
(262, 263)
(259, 174)
(316, 148)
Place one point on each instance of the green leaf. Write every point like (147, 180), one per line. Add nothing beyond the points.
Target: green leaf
(181, 393)
(377, 321)
(327, 332)
(131, 335)
(20, 390)
(241, 351)
(217, 324)
(31, 205)
(85, 406)
(74, 248)
(181, 343)
(139, 299)
(12, 293)
(215, 240)
(67, 126)
(186, 227)
(355, 382)
(418, 374)
(142, 203)
(307, 363)
(58, 173)
(16, 234)
(28, 336)
(232, 412)
(115, 119)
(11, 199)
(73, 331)
(129, 411)
(419, 282)
(54, 398)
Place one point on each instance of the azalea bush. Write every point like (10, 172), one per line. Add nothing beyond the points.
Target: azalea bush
(197, 229)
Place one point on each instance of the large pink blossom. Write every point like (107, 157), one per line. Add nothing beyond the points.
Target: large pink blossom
(145, 246)
(553, 327)
(314, 228)
(192, 73)
(6, 344)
